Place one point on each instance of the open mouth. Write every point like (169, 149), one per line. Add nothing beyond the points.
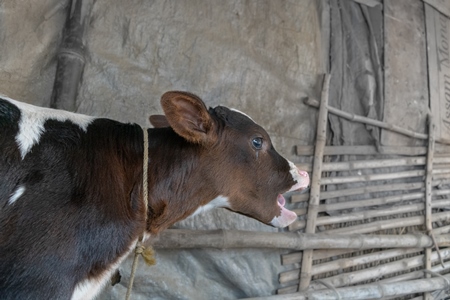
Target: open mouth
(286, 216)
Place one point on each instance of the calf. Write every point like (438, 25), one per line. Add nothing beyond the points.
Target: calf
(71, 204)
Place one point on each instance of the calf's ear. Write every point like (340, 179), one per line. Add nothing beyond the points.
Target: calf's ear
(188, 116)
(159, 121)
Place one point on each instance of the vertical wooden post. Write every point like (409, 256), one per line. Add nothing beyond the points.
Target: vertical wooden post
(314, 200)
(428, 196)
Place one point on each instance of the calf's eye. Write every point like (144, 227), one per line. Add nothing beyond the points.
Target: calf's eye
(257, 143)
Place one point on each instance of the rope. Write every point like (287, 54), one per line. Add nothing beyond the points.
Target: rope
(140, 249)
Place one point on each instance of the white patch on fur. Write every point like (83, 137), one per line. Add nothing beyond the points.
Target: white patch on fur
(302, 181)
(280, 222)
(219, 201)
(90, 288)
(16, 195)
(33, 118)
(242, 113)
(275, 222)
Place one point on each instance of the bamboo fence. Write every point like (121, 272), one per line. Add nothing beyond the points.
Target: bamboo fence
(367, 190)
(305, 275)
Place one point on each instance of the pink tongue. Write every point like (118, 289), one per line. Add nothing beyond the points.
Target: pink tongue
(281, 200)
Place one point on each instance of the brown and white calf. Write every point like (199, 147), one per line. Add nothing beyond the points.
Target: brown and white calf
(71, 205)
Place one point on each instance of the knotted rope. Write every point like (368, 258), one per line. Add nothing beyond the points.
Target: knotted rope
(146, 252)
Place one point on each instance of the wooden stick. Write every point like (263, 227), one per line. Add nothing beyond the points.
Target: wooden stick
(224, 239)
(372, 177)
(367, 214)
(388, 224)
(368, 291)
(444, 176)
(441, 150)
(400, 278)
(440, 164)
(367, 164)
(363, 150)
(368, 202)
(415, 275)
(371, 202)
(296, 257)
(314, 201)
(361, 119)
(348, 262)
(382, 270)
(365, 190)
(441, 230)
(360, 215)
(361, 190)
(428, 197)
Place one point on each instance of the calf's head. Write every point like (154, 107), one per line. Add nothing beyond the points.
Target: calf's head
(245, 171)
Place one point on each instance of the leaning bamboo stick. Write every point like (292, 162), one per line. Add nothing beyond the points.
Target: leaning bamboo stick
(388, 224)
(363, 150)
(367, 214)
(314, 201)
(428, 196)
(223, 239)
(367, 164)
(417, 274)
(441, 230)
(378, 271)
(372, 177)
(368, 291)
(360, 191)
(296, 257)
(348, 262)
(361, 119)
(371, 202)
(441, 150)
(365, 190)
(360, 215)
(440, 176)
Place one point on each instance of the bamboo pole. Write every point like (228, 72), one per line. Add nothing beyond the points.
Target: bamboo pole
(378, 271)
(224, 239)
(441, 150)
(363, 150)
(440, 165)
(348, 262)
(416, 274)
(367, 214)
(361, 119)
(372, 177)
(360, 215)
(428, 196)
(361, 190)
(367, 164)
(403, 277)
(368, 291)
(296, 257)
(441, 230)
(371, 202)
(364, 190)
(314, 201)
(388, 224)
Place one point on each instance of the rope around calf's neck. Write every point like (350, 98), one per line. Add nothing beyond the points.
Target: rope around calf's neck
(140, 249)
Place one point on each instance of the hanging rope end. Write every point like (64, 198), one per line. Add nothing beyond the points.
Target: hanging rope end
(149, 256)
